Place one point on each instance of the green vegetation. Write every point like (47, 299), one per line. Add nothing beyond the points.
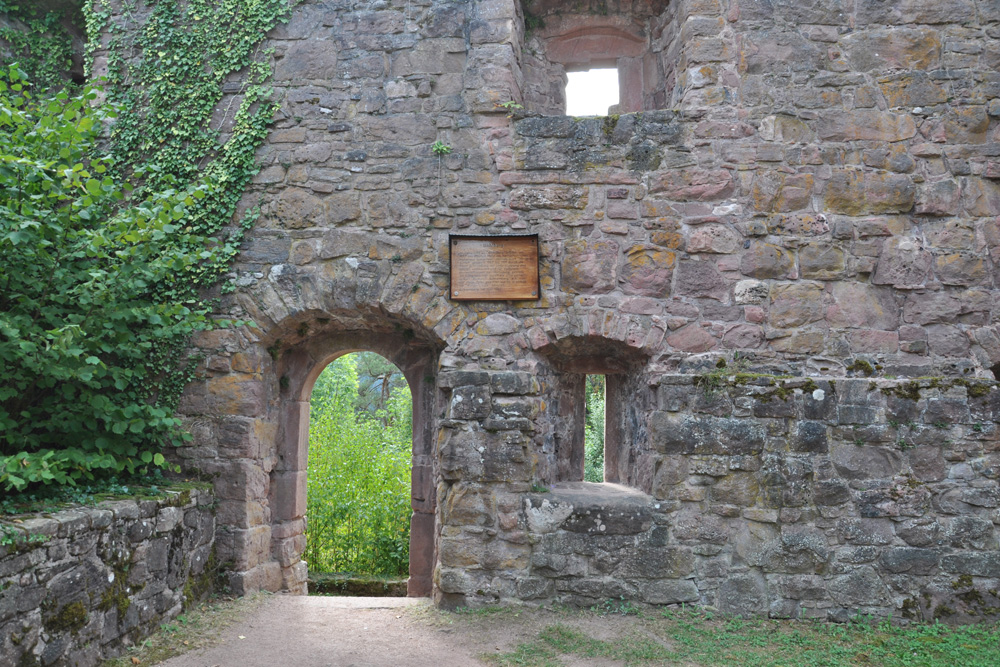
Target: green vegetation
(40, 45)
(85, 323)
(593, 434)
(110, 242)
(440, 149)
(691, 637)
(360, 444)
(53, 498)
(70, 618)
(10, 536)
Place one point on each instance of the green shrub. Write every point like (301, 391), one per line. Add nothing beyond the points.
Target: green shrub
(359, 475)
(90, 317)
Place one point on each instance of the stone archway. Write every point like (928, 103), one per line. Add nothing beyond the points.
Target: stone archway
(299, 368)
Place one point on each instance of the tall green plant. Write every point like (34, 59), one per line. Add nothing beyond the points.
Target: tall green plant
(85, 327)
(359, 477)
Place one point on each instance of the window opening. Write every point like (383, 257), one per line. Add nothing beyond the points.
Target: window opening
(592, 92)
(360, 459)
(593, 438)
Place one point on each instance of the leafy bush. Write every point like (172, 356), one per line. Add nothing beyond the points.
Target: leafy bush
(90, 319)
(359, 474)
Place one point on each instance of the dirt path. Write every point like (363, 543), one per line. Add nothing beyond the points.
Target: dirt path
(344, 632)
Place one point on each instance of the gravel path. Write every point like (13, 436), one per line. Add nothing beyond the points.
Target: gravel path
(300, 631)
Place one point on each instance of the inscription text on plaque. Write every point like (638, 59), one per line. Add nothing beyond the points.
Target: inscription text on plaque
(494, 268)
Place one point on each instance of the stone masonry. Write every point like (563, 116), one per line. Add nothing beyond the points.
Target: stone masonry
(784, 257)
(80, 585)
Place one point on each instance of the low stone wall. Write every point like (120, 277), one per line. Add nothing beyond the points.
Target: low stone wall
(80, 585)
(797, 498)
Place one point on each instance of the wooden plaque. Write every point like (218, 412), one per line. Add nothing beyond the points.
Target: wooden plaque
(494, 268)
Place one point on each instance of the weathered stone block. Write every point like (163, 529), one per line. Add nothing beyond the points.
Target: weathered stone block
(470, 402)
(904, 264)
(700, 279)
(764, 260)
(647, 271)
(669, 591)
(744, 594)
(793, 305)
(693, 184)
(589, 267)
(853, 192)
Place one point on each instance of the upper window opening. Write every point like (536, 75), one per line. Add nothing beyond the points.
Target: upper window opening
(592, 92)
(636, 39)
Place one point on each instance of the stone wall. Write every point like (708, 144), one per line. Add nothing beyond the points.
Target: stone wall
(82, 584)
(812, 498)
(819, 199)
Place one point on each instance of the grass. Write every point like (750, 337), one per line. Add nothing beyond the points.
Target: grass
(690, 637)
(197, 628)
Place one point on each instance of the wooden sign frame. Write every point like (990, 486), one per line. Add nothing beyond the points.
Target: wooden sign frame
(494, 268)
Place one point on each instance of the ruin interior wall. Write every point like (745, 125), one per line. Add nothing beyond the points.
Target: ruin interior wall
(808, 196)
(81, 585)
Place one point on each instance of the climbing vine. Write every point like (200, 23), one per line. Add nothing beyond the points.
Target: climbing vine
(39, 43)
(187, 90)
(171, 116)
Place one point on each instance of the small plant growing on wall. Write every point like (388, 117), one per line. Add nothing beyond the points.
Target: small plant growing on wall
(440, 149)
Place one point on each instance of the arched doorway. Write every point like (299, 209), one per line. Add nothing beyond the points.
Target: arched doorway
(360, 457)
(300, 367)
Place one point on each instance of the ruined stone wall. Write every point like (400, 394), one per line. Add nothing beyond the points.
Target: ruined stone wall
(801, 207)
(80, 585)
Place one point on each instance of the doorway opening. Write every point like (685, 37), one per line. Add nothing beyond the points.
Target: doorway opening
(595, 387)
(592, 92)
(360, 462)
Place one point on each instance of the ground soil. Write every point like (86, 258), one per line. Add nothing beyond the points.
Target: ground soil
(379, 632)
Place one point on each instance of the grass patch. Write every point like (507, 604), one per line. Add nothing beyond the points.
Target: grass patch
(198, 628)
(690, 637)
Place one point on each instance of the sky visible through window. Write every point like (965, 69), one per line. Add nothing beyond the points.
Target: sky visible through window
(590, 93)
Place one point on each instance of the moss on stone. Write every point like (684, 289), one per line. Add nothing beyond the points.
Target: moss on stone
(973, 388)
(180, 500)
(861, 366)
(197, 587)
(911, 609)
(70, 618)
(907, 390)
(943, 610)
(610, 123)
(116, 596)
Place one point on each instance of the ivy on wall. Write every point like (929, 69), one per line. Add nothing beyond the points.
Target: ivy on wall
(37, 40)
(167, 77)
(175, 138)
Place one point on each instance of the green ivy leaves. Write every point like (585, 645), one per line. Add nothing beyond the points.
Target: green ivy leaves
(110, 249)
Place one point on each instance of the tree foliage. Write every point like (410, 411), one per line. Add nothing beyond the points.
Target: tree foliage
(359, 473)
(86, 325)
